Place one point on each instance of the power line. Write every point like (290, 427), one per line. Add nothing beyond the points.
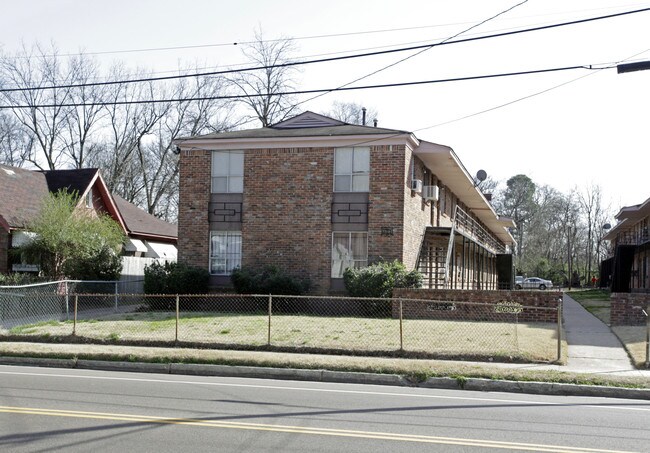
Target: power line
(324, 60)
(419, 52)
(324, 90)
(300, 38)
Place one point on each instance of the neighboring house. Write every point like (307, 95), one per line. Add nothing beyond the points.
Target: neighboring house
(628, 269)
(314, 196)
(22, 193)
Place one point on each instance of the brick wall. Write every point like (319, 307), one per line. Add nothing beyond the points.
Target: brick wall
(4, 251)
(627, 309)
(442, 306)
(417, 213)
(194, 196)
(386, 210)
(287, 211)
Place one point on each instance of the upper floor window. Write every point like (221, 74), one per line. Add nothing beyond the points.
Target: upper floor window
(352, 169)
(227, 171)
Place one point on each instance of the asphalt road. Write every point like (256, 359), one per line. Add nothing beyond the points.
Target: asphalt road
(44, 409)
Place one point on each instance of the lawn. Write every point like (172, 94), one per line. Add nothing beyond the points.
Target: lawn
(503, 341)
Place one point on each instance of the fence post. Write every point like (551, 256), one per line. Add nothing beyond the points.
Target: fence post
(177, 317)
(74, 322)
(268, 339)
(116, 295)
(401, 327)
(559, 329)
(67, 302)
(647, 337)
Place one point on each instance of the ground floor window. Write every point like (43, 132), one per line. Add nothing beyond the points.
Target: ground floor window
(225, 251)
(348, 250)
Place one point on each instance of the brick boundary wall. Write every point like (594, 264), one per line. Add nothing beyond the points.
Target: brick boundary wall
(627, 309)
(423, 310)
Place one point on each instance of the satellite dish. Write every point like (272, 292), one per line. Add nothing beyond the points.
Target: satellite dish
(607, 226)
(481, 175)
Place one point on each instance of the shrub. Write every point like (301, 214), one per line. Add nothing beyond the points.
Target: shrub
(175, 278)
(269, 280)
(379, 279)
(16, 279)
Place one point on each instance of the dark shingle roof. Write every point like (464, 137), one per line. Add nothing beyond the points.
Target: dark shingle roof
(70, 180)
(21, 195)
(140, 222)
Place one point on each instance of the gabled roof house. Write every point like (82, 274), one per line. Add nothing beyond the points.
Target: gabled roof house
(314, 196)
(22, 193)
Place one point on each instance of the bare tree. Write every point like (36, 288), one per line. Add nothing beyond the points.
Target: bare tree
(15, 143)
(591, 203)
(59, 133)
(264, 90)
(352, 113)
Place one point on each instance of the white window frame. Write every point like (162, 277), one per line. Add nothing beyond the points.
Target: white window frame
(227, 173)
(352, 174)
(232, 259)
(339, 266)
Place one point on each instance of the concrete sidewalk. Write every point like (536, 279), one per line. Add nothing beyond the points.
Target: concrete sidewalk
(593, 347)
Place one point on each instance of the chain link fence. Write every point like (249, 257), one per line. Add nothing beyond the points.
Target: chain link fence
(405, 327)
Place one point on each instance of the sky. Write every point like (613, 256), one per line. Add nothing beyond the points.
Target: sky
(568, 129)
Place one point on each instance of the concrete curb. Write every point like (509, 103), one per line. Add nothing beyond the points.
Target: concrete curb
(474, 384)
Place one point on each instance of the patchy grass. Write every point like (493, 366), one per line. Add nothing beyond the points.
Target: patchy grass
(498, 340)
(417, 370)
(634, 339)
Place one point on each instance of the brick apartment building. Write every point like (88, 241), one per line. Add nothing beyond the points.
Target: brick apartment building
(314, 195)
(628, 269)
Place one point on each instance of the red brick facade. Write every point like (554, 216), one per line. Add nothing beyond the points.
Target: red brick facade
(286, 218)
(289, 209)
(627, 309)
(194, 196)
(536, 304)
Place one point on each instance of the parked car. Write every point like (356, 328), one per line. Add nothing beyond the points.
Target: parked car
(534, 283)
(518, 280)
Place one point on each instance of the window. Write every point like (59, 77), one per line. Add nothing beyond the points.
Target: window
(225, 252)
(348, 250)
(89, 199)
(227, 171)
(352, 169)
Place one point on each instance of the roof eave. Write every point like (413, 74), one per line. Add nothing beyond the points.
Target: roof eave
(298, 142)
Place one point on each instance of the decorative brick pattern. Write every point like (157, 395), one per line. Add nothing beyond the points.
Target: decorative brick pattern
(422, 310)
(627, 309)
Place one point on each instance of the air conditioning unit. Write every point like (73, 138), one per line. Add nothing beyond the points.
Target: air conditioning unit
(431, 193)
(416, 185)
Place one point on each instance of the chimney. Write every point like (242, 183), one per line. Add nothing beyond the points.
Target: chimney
(375, 122)
(363, 116)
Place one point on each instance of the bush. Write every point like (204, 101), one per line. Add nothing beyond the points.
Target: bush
(17, 279)
(175, 278)
(379, 279)
(269, 280)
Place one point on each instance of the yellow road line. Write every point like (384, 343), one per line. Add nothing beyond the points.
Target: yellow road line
(302, 430)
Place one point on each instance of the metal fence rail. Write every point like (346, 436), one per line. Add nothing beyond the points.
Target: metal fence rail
(417, 328)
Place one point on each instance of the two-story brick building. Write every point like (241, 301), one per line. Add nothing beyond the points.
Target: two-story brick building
(628, 269)
(314, 195)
